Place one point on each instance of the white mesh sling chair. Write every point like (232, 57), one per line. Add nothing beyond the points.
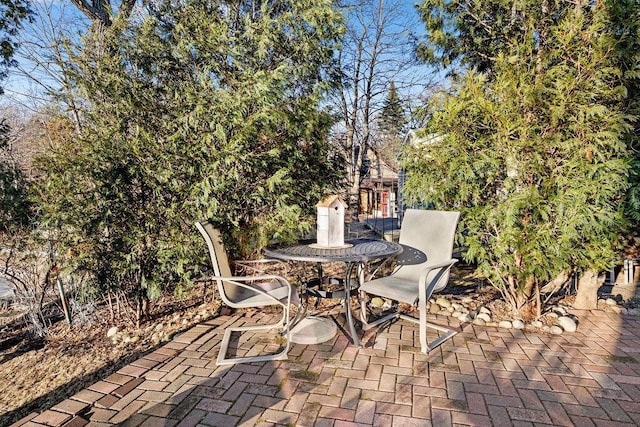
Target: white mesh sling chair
(259, 290)
(423, 268)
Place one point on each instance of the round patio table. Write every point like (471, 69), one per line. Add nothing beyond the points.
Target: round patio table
(353, 253)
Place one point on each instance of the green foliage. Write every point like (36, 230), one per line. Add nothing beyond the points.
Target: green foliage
(475, 32)
(392, 120)
(201, 110)
(633, 197)
(624, 24)
(534, 153)
(12, 14)
(15, 208)
(391, 124)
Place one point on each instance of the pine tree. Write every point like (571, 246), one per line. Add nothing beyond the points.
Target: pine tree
(392, 119)
(391, 125)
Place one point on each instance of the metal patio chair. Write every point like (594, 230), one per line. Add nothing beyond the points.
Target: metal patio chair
(259, 290)
(422, 269)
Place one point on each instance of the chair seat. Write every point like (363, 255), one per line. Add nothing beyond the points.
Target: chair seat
(392, 287)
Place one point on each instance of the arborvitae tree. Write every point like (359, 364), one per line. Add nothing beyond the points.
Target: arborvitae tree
(534, 149)
(203, 110)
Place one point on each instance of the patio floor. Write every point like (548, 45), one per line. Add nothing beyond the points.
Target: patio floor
(483, 376)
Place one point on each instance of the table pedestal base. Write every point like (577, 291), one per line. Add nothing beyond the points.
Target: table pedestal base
(313, 330)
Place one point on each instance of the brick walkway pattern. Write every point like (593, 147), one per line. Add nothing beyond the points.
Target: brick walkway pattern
(483, 376)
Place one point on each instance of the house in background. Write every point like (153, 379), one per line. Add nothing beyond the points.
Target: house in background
(379, 187)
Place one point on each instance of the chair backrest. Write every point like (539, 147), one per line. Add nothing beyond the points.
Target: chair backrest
(427, 237)
(229, 292)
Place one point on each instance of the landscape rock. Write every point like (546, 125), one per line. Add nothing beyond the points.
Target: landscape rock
(155, 338)
(559, 311)
(611, 302)
(443, 302)
(485, 310)
(465, 317)
(457, 307)
(556, 330)
(377, 302)
(484, 316)
(505, 324)
(112, 331)
(567, 323)
(479, 321)
(518, 324)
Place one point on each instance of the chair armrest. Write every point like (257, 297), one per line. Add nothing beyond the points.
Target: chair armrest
(239, 281)
(251, 264)
(444, 267)
(377, 265)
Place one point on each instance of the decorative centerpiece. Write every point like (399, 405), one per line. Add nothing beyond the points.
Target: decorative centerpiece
(330, 225)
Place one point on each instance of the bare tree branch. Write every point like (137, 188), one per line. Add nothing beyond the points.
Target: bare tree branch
(376, 50)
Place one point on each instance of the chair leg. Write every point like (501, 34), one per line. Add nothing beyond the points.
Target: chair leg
(301, 313)
(364, 315)
(282, 355)
(425, 346)
(450, 332)
(224, 345)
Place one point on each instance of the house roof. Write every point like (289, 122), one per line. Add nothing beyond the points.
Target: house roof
(372, 183)
(389, 164)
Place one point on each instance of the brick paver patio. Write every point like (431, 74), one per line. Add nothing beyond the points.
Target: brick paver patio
(484, 376)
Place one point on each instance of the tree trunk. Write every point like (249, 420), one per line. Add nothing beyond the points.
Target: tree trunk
(587, 295)
(138, 311)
